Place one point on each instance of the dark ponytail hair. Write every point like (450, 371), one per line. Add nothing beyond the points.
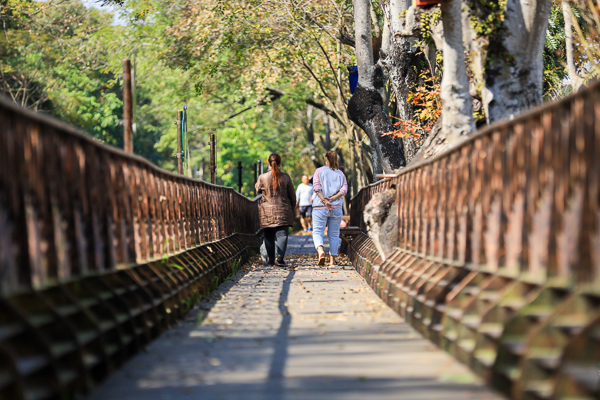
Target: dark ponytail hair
(274, 163)
(331, 157)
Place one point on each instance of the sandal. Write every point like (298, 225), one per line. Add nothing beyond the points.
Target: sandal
(321, 259)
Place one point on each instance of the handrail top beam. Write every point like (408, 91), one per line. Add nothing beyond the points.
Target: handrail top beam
(63, 127)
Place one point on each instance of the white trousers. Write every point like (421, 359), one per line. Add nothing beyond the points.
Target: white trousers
(332, 219)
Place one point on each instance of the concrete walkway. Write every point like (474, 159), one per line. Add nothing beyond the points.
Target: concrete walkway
(297, 333)
(303, 244)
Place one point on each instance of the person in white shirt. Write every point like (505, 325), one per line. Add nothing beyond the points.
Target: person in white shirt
(330, 186)
(304, 194)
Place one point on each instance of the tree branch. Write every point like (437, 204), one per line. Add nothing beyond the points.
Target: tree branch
(317, 79)
(313, 103)
(332, 70)
(314, 21)
(346, 37)
(272, 96)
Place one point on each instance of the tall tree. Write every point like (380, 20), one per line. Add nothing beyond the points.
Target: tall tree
(457, 109)
(576, 79)
(491, 51)
(513, 65)
(276, 46)
(400, 57)
(365, 107)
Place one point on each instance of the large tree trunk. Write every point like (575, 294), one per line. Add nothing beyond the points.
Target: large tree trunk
(401, 59)
(365, 108)
(326, 141)
(457, 120)
(576, 80)
(353, 180)
(515, 68)
(401, 63)
(457, 107)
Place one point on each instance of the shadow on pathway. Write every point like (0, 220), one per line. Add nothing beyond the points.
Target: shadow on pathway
(280, 334)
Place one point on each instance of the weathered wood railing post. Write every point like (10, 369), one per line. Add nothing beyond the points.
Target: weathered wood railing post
(240, 183)
(213, 162)
(255, 178)
(179, 160)
(127, 107)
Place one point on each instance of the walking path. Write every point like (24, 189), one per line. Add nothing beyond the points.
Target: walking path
(297, 333)
(303, 244)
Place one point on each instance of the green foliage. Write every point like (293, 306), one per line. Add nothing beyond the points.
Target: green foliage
(487, 20)
(54, 59)
(189, 303)
(88, 101)
(555, 51)
(487, 17)
(428, 21)
(235, 267)
(166, 259)
(220, 57)
(236, 51)
(260, 135)
(67, 59)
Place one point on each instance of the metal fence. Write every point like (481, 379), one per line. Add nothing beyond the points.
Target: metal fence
(498, 252)
(71, 206)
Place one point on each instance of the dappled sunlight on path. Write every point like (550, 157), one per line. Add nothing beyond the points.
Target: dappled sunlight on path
(297, 333)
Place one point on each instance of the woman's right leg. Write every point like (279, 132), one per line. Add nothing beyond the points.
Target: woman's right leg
(334, 222)
(333, 233)
(270, 244)
(281, 239)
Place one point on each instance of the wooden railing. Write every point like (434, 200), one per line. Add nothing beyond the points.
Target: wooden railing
(498, 250)
(71, 206)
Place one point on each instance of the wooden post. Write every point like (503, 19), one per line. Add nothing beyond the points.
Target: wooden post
(255, 177)
(213, 162)
(184, 141)
(179, 160)
(127, 107)
(240, 184)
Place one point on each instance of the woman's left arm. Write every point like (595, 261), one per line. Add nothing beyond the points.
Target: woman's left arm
(291, 193)
(258, 186)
